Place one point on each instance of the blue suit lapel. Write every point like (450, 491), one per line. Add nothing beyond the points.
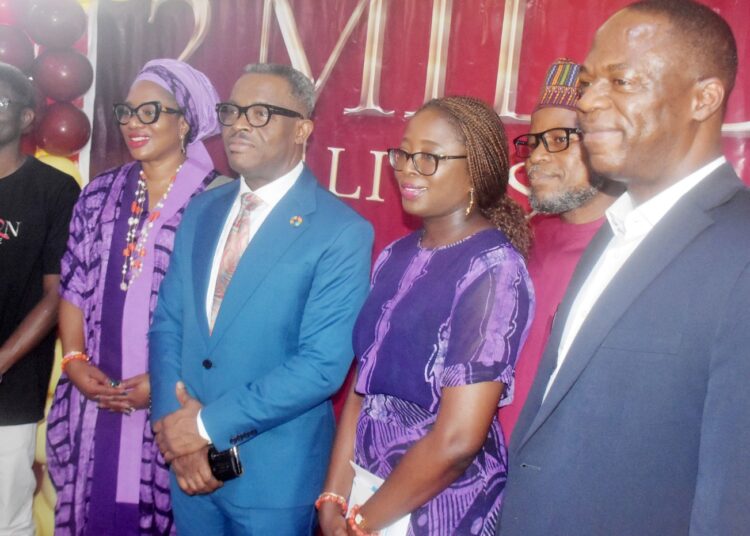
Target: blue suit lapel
(273, 239)
(672, 235)
(208, 229)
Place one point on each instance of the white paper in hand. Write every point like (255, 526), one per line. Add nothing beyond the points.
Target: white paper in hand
(365, 484)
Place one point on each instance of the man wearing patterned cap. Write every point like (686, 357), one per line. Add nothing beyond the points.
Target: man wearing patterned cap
(569, 201)
(638, 421)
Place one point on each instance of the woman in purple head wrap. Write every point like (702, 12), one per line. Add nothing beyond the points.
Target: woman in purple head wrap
(103, 461)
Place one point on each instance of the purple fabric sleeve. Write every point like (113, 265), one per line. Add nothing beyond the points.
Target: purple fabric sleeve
(484, 338)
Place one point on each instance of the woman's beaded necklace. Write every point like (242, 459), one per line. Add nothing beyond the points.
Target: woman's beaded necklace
(135, 242)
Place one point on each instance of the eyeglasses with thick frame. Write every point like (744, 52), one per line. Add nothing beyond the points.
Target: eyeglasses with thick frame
(555, 140)
(257, 114)
(146, 112)
(425, 163)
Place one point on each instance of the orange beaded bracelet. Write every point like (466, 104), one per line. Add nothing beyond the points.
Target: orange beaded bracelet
(356, 522)
(73, 356)
(329, 496)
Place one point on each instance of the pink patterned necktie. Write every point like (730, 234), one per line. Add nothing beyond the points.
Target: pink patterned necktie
(237, 240)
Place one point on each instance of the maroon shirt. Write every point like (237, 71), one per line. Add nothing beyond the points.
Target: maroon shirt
(553, 257)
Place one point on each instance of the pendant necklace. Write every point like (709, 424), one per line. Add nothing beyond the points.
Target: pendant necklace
(135, 248)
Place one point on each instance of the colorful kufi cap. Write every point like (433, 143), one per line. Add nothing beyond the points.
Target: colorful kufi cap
(561, 85)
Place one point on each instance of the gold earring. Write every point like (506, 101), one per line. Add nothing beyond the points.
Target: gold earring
(183, 147)
(471, 201)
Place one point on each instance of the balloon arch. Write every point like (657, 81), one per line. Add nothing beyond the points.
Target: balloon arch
(46, 39)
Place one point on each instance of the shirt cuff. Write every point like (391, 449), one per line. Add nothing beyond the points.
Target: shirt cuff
(202, 429)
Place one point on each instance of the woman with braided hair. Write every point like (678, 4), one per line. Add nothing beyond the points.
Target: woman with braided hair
(438, 337)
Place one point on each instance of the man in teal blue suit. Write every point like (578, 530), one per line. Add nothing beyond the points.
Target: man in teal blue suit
(252, 332)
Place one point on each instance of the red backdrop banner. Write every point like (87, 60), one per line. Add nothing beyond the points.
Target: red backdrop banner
(374, 62)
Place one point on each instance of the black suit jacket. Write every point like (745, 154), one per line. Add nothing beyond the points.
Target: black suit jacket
(646, 429)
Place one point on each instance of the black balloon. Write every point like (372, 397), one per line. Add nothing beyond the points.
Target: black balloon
(63, 74)
(15, 47)
(64, 129)
(55, 23)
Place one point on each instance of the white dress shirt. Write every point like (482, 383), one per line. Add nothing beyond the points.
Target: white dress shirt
(270, 195)
(630, 224)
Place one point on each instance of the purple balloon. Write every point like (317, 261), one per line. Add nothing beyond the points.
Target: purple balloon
(56, 23)
(62, 74)
(15, 47)
(64, 130)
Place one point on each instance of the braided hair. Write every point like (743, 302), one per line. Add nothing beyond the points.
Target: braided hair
(483, 134)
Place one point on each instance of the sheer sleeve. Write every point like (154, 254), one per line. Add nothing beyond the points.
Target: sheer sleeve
(489, 320)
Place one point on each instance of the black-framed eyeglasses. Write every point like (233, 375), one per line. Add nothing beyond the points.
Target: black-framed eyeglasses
(147, 112)
(425, 163)
(554, 140)
(257, 115)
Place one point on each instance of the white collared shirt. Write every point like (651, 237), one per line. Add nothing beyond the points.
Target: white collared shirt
(270, 195)
(630, 224)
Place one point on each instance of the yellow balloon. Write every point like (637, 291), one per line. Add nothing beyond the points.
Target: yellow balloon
(44, 500)
(47, 492)
(40, 456)
(66, 165)
(44, 516)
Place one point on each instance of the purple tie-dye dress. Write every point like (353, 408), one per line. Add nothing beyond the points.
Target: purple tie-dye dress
(438, 318)
(83, 471)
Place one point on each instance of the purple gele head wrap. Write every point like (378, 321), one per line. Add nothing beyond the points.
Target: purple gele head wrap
(193, 91)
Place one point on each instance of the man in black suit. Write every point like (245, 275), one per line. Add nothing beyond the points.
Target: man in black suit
(639, 419)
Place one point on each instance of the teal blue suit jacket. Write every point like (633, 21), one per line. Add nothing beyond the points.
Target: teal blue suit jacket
(281, 344)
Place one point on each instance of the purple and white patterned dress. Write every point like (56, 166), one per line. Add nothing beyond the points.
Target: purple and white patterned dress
(436, 318)
(85, 472)
(106, 468)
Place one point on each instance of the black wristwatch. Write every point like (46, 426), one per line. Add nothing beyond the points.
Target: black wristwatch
(225, 465)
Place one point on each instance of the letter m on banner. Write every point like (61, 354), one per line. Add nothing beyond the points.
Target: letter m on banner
(295, 49)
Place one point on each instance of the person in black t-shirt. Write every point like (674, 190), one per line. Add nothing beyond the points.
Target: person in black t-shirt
(36, 202)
